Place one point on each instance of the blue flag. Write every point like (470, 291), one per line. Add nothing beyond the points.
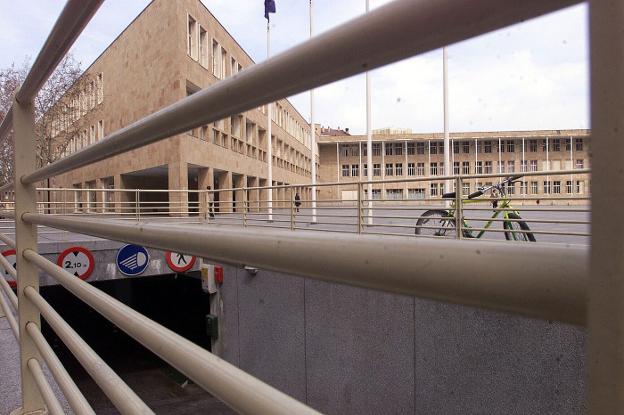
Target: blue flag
(269, 7)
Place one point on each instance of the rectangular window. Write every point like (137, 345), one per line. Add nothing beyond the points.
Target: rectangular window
(394, 194)
(355, 170)
(420, 169)
(216, 62)
(418, 193)
(533, 188)
(466, 147)
(479, 167)
(545, 145)
(580, 163)
(365, 170)
(420, 148)
(456, 167)
(203, 47)
(465, 167)
(354, 150)
(411, 149)
(488, 167)
(236, 121)
(100, 88)
(523, 165)
(523, 188)
(345, 170)
(557, 187)
(533, 166)
(388, 149)
(398, 169)
(579, 144)
(568, 144)
(398, 149)
(224, 62)
(100, 134)
(433, 148)
(547, 186)
(344, 150)
(234, 67)
(487, 147)
(501, 167)
(556, 145)
(376, 169)
(511, 146)
(433, 189)
(376, 149)
(466, 189)
(433, 169)
(511, 166)
(502, 146)
(532, 146)
(579, 186)
(456, 147)
(376, 194)
(389, 169)
(510, 189)
(569, 186)
(191, 37)
(411, 169)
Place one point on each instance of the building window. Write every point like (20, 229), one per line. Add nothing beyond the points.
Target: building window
(556, 186)
(523, 187)
(345, 170)
(510, 189)
(100, 88)
(568, 144)
(545, 145)
(556, 145)
(433, 169)
(456, 167)
(501, 167)
(355, 170)
(191, 34)
(501, 146)
(92, 134)
(465, 167)
(579, 144)
(411, 149)
(411, 169)
(456, 147)
(398, 149)
(466, 147)
(479, 167)
(511, 166)
(376, 149)
(388, 149)
(569, 186)
(216, 62)
(236, 122)
(420, 148)
(533, 188)
(511, 146)
(100, 132)
(523, 165)
(418, 193)
(420, 169)
(344, 150)
(398, 169)
(376, 194)
(580, 163)
(433, 189)
(466, 189)
(488, 167)
(354, 150)
(433, 148)
(547, 186)
(533, 165)
(203, 47)
(487, 147)
(394, 194)
(389, 169)
(376, 169)
(532, 146)
(578, 186)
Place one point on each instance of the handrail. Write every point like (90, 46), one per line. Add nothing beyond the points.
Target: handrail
(398, 30)
(10, 317)
(551, 285)
(73, 19)
(120, 394)
(54, 407)
(236, 388)
(74, 397)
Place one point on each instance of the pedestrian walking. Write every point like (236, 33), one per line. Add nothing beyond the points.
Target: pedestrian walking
(297, 201)
(210, 202)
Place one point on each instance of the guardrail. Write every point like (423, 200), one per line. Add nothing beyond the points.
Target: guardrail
(552, 284)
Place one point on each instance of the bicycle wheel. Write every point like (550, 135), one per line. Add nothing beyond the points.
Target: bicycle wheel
(435, 222)
(512, 227)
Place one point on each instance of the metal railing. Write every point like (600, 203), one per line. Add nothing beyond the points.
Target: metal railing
(553, 284)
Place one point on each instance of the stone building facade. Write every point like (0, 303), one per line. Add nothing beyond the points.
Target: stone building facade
(171, 50)
(413, 156)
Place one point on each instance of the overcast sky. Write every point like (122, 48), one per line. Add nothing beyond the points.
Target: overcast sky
(530, 76)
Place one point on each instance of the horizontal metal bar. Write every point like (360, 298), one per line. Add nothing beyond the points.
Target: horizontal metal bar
(7, 288)
(73, 19)
(74, 397)
(8, 313)
(551, 285)
(52, 403)
(120, 394)
(527, 231)
(552, 221)
(390, 33)
(236, 388)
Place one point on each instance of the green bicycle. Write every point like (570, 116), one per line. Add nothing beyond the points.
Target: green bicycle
(441, 222)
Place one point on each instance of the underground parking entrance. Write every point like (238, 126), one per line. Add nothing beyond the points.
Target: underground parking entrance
(177, 302)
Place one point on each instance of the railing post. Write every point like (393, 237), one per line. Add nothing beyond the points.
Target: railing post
(26, 238)
(244, 206)
(359, 206)
(292, 210)
(137, 206)
(458, 207)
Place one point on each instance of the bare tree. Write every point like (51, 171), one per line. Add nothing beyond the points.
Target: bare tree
(59, 105)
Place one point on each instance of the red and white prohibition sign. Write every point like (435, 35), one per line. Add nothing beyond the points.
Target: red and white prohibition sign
(179, 262)
(78, 261)
(9, 254)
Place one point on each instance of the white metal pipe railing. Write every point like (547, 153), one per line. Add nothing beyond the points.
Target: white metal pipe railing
(8, 313)
(74, 397)
(396, 31)
(551, 285)
(53, 405)
(239, 390)
(73, 19)
(120, 394)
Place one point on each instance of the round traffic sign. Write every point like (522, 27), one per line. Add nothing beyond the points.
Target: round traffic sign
(179, 262)
(132, 259)
(78, 261)
(9, 254)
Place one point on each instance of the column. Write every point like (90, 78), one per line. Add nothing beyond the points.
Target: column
(205, 178)
(239, 183)
(177, 180)
(253, 195)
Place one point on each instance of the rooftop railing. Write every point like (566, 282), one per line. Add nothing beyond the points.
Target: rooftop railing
(567, 283)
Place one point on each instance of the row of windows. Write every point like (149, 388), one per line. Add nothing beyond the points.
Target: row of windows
(68, 111)
(84, 139)
(465, 167)
(436, 147)
(197, 49)
(524, 188)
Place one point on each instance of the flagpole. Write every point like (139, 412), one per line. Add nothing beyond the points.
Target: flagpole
(447, 150)
(312, 132)
(369, 142)
(269, 138)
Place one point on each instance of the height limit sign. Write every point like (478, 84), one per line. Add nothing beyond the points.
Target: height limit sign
(78, 261)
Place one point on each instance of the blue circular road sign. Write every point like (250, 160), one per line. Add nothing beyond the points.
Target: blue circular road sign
(132, 260)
